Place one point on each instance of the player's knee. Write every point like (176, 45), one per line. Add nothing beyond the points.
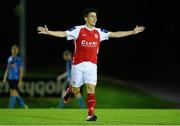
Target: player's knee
(76, 91)
(90, 88)
(13, 92)
(78, 95)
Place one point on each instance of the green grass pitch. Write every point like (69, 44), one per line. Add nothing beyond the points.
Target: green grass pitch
(77, 117)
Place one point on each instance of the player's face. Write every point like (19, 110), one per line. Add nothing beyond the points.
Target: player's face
(15, 51)
(67, 57)
(91, 19)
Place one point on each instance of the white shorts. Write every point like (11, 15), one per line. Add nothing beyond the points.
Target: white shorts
(83, 73)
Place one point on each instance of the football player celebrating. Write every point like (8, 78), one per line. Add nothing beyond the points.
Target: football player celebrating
(87, 40)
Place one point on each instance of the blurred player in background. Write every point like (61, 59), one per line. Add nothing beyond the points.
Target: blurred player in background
(14, 76)
(67, 56)
(87, 40)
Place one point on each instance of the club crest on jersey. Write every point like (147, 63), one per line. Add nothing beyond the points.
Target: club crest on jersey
(83, 35)
(88, 44)
(96, 36)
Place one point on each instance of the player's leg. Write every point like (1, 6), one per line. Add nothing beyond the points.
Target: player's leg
(91, 102)
(12, 99)
(21, 101)
(13, 93)
(90, 78)
(76, 82)
(18, 97)
(64, 87)
(76, 90)
(80, 99)
(68, 94)
(61, 102)
(77, 94)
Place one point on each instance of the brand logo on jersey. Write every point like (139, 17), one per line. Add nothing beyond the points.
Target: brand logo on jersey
(88, 44)
(83, 35)
(96, 36)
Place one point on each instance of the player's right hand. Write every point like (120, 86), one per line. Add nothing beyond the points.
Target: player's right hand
(4, 81)
(20, 84)
(42, 30)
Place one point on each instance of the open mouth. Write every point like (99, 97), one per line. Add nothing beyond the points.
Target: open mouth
(94, 22)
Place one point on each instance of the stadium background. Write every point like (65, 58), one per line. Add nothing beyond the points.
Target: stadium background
(148, 61)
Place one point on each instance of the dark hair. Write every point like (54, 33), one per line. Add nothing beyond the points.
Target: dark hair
(14, 46)
(88, 10)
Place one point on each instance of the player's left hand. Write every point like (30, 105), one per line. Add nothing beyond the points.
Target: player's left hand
(138, 29)
(20, 83)
(4, 81)
(42, 30)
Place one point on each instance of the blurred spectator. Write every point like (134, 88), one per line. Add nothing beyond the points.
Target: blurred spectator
(14, 75)
(67, 56)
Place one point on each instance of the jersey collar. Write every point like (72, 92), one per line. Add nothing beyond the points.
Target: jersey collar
(89, 28)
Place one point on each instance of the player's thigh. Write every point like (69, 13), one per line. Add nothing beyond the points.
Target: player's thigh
(13, 84)
(90, 74)
(90, 88)
(76, 76)
(76, 90)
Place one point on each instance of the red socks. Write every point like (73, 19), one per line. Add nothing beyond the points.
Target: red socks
(69, 88)
(91, 103)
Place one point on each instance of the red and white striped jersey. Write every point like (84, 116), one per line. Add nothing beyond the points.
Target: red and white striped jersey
(86, 43)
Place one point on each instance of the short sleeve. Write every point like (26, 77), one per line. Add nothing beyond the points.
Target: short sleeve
(104, 34)
(72, 34)
(8, 62)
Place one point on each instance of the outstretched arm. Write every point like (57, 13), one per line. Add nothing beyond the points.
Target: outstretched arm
(60, 77)
(46, 31)
(119, 34)
(5, 76)
(20, 76)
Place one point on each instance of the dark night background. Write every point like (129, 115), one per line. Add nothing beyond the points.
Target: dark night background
(149, 56)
